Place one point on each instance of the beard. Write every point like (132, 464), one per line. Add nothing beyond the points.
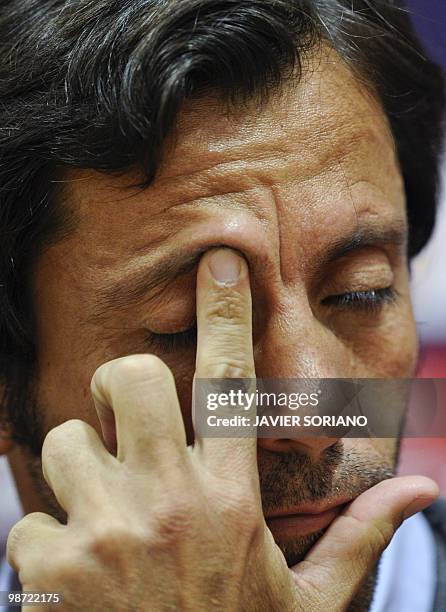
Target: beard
(286, 481)
(290, 479)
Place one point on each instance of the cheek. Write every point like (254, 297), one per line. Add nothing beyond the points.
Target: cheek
(384, 345)
(68, 361)
(396, 345)
(379, 451)
(391, 350)
(387, 448)
(297, 344)
(63, 378)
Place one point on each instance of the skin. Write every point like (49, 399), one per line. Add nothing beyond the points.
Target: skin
(278, 184)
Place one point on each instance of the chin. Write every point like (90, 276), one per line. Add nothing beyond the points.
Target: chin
(296, 550)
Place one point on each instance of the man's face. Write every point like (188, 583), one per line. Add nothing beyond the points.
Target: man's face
(308, 189)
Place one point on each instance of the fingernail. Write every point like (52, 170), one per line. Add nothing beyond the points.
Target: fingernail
(225, 266)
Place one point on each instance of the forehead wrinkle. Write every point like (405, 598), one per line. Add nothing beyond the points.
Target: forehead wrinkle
(325, 139)
(267, 163)
(186, 209)
(244, 175)
(132, 288)
(321, 148)
(202, 128)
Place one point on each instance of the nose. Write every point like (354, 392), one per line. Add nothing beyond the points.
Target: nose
(313, 447)
(298, 347)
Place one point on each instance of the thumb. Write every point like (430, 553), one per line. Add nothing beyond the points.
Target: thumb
(338, 564)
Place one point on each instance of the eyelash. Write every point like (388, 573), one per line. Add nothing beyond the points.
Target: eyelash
(175, 342)
(371, 300)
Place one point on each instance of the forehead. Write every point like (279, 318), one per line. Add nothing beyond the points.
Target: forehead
(322, 117)
(320, 149)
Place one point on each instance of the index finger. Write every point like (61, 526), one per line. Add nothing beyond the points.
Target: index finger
(225, 346)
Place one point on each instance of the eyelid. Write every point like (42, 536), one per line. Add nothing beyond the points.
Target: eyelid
(174, 341)
(359, 270)
(370, 299)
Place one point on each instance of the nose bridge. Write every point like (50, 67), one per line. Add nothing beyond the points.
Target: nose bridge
(295, 345)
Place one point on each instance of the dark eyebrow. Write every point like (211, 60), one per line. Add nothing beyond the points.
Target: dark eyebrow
(130, 289)
(394, 235)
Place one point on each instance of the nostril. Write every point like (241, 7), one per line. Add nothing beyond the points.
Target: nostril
(312, 447)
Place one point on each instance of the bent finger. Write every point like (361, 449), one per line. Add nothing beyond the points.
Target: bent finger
(140, 392)
(73, 456)
(31, 535)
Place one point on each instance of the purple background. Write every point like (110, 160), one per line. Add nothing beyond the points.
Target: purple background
(429, 17)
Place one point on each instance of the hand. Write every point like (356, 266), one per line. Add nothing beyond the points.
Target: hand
(163, 527)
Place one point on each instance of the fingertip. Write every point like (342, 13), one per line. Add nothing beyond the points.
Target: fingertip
(425, 491)
(224, 266)
(419, 485)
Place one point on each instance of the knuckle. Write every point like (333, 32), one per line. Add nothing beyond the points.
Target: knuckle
(372, 537)
(124, 373)
(139, 368)
(19, 533)
(228, 351)
(114, 541)
(368, 539)
(16, 536)
(229, 367)
(173, 519)
(226, 308)
(381, 536)
(58, 438)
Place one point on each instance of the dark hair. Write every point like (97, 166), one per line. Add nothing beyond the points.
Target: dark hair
(99, 85)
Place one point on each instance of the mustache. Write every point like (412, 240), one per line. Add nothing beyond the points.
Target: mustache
(289, 479)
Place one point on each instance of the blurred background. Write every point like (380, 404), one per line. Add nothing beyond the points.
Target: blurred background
(428, 456)
(420, 456)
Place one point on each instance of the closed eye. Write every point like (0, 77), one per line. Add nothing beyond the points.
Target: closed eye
(371, 299)
(174, 341)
